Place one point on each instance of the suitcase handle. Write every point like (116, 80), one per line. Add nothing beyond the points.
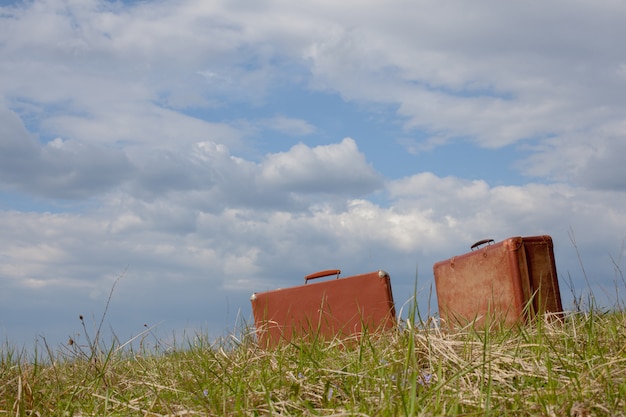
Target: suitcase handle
(481, 242)
(321, 274)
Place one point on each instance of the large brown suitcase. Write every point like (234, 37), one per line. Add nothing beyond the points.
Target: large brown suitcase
(338, 307)
(506, 282)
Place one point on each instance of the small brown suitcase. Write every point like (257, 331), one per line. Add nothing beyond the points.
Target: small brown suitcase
(506, 282)
(339, 307)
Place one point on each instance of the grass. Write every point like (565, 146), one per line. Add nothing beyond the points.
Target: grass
(549, 368)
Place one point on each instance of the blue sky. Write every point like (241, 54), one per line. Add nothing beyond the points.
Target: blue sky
(201, 151)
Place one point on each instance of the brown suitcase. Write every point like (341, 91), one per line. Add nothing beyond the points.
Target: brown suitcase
(339, 307)
(507, 282)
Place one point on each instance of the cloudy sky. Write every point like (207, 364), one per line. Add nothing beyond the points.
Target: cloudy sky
(198, 151)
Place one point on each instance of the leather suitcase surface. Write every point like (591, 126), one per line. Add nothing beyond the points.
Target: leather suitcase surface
(327, 309)
(509, 282)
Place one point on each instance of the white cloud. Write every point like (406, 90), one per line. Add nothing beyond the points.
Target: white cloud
(288, 125)
(326, 169)
(592, 159)
(428, 218)
(498, 75)
(60, 169)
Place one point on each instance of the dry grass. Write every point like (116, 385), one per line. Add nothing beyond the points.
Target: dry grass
(572, 368)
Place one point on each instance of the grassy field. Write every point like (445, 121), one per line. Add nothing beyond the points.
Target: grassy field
(572, 368)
